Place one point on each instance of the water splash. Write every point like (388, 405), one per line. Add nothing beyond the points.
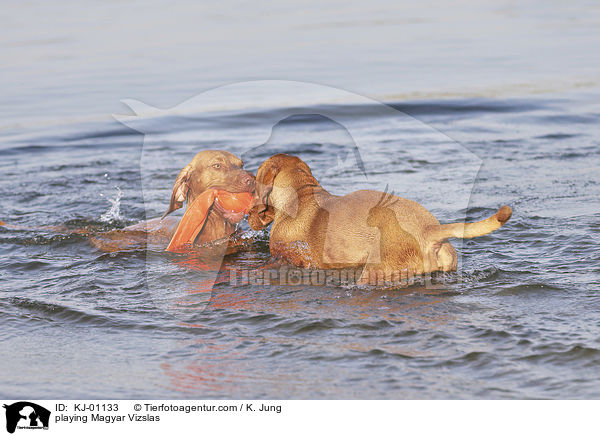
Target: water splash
(114, 212)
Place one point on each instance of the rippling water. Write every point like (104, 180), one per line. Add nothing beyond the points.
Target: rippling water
(519, 321)
(522, 322)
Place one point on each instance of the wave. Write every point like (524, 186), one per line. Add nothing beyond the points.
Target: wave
(113, 134)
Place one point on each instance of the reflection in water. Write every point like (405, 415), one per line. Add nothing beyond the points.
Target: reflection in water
(204, 371)
(318, 321)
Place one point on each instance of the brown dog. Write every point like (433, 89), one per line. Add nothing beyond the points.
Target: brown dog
(217, 170)
(208, 169)
(390, 237)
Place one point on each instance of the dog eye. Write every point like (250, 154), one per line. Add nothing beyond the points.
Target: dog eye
(217, 166)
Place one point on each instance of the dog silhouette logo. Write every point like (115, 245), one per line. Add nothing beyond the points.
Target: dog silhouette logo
(26, 415)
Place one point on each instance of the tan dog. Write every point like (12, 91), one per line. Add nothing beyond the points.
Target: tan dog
(390, 237)
(217, 170)
(208, 169)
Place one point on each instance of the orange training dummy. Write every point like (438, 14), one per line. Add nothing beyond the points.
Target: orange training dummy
(195, 215)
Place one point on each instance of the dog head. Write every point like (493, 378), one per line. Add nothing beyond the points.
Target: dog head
(277, 182)
(209, 169)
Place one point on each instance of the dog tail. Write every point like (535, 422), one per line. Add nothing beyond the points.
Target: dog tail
(441, 232)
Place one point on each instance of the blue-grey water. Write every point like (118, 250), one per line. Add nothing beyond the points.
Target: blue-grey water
(489, 104)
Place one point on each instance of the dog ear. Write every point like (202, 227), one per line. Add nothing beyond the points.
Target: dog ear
(180, 190)
(265, 176)
(261, 212)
